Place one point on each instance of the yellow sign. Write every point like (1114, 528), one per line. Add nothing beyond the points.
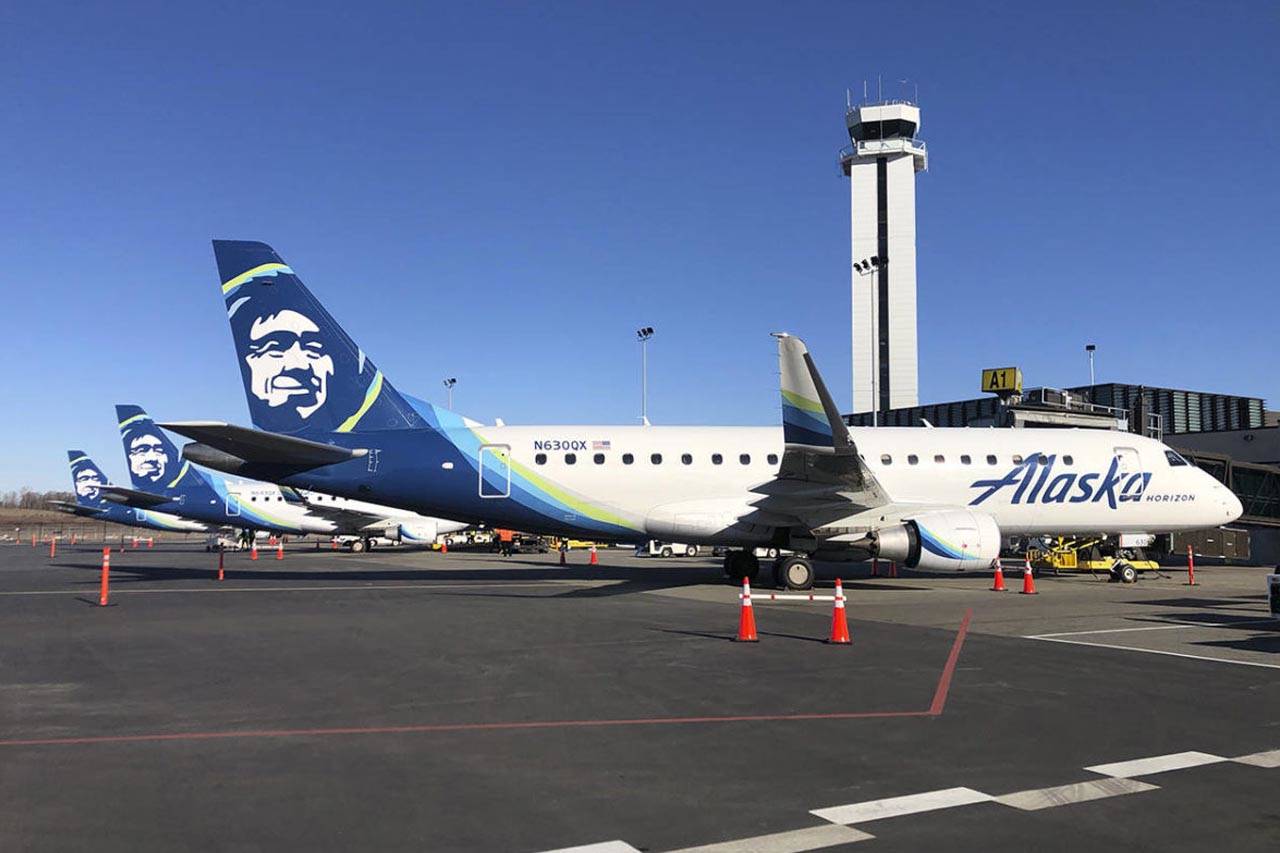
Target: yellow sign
(1002, 380)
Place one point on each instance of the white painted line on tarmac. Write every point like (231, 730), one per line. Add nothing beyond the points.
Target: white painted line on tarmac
(1175, 627)
(897, 806)
(1268, 759)
(1156, 764)
(795, 841)
(116, 590)
(1154, 652)
(1080, 792)
(602, 847)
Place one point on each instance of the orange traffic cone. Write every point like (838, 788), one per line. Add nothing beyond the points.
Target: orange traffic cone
(151, 541)
(53, 547)
(333, 544)
(998, 584)
(595, 561)
(839, 626)
(1028, 582)
(893, 569)
(104, 590)
(444, 546)
(253, 550)
(221, 575)
(279, 549)
(746, 617)
(134, 543)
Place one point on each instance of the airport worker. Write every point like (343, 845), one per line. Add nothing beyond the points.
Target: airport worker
(505, 538)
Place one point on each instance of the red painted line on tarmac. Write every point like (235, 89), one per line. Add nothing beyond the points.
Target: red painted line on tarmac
(944, 681)
(935, 709)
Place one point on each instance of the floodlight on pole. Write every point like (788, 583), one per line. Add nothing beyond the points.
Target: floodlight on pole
(869, 267)
(1091, 349)
(642, 335)
(448, 386)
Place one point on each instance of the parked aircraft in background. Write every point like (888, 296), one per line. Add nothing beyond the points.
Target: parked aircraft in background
(163, 480)
(88, 481)
(328, 419)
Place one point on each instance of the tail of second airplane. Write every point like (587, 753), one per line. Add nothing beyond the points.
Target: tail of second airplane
(155, 464)
(86, 478)
(302, 373)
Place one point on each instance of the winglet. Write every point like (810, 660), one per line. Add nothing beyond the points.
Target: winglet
(809, 415)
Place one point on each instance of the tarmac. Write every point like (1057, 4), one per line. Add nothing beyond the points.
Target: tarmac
(410, 700)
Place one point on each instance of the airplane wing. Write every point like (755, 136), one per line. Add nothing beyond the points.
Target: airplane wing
(255, 447)
(822, 478)
(346, 519)
(133, 497)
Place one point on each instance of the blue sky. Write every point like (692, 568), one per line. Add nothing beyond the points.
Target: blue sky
(503, 193)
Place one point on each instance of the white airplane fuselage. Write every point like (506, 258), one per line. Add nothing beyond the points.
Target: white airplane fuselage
(1029, 480)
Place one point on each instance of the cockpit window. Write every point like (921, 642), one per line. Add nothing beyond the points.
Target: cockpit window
(1174, 459)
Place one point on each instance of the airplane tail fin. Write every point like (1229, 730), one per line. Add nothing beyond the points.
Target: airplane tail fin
(302, 373)
(809, 415)
(86, 477)
(155, 464)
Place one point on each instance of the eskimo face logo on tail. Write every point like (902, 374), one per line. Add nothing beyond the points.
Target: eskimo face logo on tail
(288, 362)
(87, 480)
(148, 459)
(1033, 481)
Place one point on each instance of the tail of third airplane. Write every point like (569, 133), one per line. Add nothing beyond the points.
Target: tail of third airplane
(302, 373)
(155, 464)
(86, 477)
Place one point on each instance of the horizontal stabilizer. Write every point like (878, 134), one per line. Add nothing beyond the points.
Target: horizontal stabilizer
(76, 509)
(133, 497)
(256, 447)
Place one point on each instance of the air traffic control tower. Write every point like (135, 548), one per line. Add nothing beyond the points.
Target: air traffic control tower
(882, 163)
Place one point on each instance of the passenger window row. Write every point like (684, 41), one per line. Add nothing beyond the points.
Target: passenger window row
(966, 459)
(655, 459)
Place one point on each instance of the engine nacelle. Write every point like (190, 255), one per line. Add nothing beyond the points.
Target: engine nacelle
(941, 540)
(420, 532)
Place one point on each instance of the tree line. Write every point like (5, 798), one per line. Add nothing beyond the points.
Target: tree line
(26, 498)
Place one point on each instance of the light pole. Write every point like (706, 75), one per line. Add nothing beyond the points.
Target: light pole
(643, 335)
(448, 387)
(869, 267)
(1091, 349)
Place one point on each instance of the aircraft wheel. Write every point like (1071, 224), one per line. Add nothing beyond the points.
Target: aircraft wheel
(795, 572)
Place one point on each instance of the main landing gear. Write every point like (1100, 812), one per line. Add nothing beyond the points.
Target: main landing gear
(793, 571)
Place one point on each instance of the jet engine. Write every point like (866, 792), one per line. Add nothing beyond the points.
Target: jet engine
(421, 532)
(941, 540)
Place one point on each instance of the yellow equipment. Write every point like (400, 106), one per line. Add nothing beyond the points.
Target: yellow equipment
(1096, 554)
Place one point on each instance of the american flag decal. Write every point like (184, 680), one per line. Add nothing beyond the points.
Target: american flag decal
(600, 445)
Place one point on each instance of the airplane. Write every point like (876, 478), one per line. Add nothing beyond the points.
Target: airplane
(88, 481)
(159, 482)
(932, 498)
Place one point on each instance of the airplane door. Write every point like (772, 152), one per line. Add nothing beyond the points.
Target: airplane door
(1128, 460)
(233, 504)
(495, 471)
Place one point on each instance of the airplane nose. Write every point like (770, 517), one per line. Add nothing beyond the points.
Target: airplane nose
(1235, 509)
